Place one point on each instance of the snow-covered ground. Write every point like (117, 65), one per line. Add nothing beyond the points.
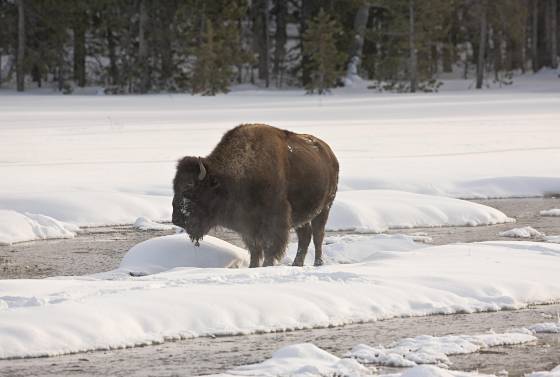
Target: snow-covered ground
(426, 349)
(553, 373)
(110, 159)
(17, 227)
(525, 232)
(551, 212)
(308, 360)
(112, 310)
(546, 327)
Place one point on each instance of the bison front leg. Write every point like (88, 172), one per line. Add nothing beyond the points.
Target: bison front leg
(275, 245)
(256, 252)
(304, 238)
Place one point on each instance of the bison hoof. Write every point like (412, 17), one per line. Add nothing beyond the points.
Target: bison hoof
(297, 263)
(319, 262)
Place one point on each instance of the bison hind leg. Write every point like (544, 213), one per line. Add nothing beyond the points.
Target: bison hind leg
(318, 225)
(304, 238)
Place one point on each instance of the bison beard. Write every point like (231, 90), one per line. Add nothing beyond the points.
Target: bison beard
(259, 181)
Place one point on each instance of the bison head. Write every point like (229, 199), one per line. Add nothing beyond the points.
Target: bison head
(197, 197)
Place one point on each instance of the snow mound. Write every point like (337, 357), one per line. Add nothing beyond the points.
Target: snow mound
(379, 210)
(553, 373)
(19, 227)
(547, 327)
(427, 349)
(308, 360)
(301, 360)
(352, 248)
(551, 212)
(143, 223)
(164, 253)
(525, 232)
(553, 239)
(45, 317)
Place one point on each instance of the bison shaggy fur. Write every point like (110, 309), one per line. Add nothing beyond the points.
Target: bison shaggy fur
(259, 181)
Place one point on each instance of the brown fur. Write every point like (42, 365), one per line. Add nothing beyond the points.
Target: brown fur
(260, 182)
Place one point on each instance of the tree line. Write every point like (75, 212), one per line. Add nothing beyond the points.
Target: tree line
(206, 46)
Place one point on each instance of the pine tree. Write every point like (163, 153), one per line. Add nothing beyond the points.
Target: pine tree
(212, 73)
(325, 61)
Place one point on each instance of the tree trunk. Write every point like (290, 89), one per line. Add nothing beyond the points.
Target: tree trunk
(143, 48)
(553, 34)
(357, 47)
(306, 14)
(535, 36)
(20, 74)
(261, 32)
(113, 69)
(412, 47)
(80, 50)
(280, 39)
(481, 62)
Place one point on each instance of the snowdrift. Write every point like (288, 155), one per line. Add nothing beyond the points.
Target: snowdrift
(18, 227)
(168, 252)
(359, 210)
(109, 160)
(47, 317)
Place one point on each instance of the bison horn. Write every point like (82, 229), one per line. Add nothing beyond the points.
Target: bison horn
(202, 174)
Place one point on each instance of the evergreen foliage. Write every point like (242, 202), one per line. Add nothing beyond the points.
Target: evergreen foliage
(205, 46)
(211, 73)
(325, 61)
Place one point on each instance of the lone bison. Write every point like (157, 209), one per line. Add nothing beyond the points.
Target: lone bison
(259, 181)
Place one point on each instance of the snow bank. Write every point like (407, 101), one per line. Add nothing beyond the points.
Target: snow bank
(525, 232)
(85, 208)
(551, 212)
(143, 223)
(110, 159)
(18, 227)
(167, 252)
(379, 210)
(553, 373)
(426, 349)
(547, 327)
(553, 239)
(358, 248)
(46, 317)
(308, 360)
(301, 360)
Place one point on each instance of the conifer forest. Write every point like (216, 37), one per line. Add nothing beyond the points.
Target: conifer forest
(209, 46)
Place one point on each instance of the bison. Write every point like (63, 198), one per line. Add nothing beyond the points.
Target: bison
(259, 181)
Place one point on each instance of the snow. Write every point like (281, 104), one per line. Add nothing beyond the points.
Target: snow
(426, 349)
(18, 227)
(47, 317)
(361, 210)
(351, 248)
(553, 373)
(143, 223)
(547, 327)
(525, 232)
(92, 160)
(551, 212)
(168, 252)
(301, 360)
(553, 239)
(379, 210)
(308, 360)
